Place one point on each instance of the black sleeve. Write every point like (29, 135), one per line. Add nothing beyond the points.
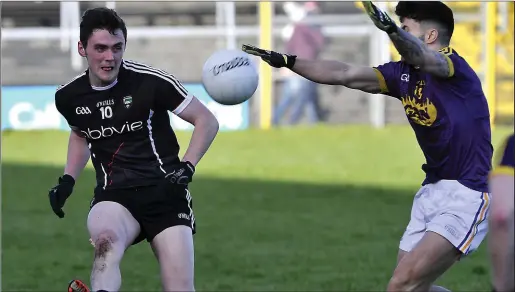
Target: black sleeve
(64, 109)
(171, 94)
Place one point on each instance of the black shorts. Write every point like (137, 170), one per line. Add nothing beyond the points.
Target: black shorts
(155, 207)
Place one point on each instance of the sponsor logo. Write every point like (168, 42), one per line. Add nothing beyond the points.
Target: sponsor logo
(105, 102)
(106, 132)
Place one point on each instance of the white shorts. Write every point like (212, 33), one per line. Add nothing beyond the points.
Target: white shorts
(452, 210)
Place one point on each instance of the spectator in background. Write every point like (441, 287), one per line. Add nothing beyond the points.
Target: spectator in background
(306, 41)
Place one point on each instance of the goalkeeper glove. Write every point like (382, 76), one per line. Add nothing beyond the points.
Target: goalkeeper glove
(60, 193)
(380, 18)
(182, 173)
(274, 59)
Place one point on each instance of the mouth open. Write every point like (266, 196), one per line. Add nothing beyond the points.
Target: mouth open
(107, 68)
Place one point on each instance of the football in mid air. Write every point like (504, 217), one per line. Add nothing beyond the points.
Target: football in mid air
(230, 77)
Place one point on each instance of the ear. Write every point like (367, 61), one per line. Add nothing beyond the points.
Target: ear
(431, 36)
(81, 49)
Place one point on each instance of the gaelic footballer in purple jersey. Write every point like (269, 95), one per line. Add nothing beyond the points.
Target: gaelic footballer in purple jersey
(450, 118)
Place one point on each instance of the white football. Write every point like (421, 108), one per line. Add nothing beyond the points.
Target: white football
(230, 77)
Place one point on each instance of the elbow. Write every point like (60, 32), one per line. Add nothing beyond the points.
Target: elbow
(213, 122)
(216, 125)
(345, 77)
(350, 78)
(209, 122)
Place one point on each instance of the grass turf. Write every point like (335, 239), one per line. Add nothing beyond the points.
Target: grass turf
(318, 208)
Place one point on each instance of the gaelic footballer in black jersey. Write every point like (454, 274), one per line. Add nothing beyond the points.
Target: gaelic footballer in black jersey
(118, 111)
(126, 124)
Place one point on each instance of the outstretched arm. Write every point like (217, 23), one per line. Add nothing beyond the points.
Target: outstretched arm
(324, 71)
(338, 73)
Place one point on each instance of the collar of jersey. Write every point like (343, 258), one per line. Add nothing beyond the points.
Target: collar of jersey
(100, 88)
(446, 50)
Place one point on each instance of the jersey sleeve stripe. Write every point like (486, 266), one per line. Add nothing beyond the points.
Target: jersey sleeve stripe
(69, 82)
(183, 105)
(446, 52)
(382, 81)
(145, 66)
(166, 77)
(140, 66)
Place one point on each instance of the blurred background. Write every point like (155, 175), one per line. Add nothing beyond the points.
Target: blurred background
(318, 205)
(38, 49)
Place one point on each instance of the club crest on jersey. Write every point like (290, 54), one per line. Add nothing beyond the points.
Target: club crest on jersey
(127, 101)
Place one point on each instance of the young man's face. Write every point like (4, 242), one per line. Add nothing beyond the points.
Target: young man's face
(104, 53)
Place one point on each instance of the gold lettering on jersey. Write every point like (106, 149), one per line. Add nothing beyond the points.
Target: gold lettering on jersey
(105, 102)
(418, 108)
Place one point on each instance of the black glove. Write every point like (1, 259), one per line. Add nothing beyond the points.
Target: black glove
(60, 193)
(275, 59)
(380, 18)
(182, 173)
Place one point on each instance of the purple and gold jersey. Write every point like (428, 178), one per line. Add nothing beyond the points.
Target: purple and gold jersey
(506, 159)
(450, 118)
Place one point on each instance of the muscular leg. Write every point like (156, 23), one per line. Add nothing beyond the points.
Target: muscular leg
(112, 229)
(173, 248)
(433, 288)
(418, 269)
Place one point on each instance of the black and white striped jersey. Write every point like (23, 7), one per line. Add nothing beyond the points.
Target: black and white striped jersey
(126, 124)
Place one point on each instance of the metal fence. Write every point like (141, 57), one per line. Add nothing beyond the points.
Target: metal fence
(180, 43)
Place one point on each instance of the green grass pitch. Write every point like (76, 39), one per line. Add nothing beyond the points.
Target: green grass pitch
(311, 209)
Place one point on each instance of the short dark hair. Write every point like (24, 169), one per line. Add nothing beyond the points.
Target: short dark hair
(429, 11)
(100, 18)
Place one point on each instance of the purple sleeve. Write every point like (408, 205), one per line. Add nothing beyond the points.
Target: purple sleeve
(389, 75)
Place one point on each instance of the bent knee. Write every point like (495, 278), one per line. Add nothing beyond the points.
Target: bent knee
(107, 243)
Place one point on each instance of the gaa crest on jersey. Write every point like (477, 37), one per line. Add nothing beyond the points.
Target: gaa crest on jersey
(127, 101)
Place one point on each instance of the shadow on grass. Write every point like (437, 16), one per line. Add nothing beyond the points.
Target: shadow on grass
(252, 236)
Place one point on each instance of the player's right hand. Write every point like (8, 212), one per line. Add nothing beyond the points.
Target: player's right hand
(60, 193)
(275, 59)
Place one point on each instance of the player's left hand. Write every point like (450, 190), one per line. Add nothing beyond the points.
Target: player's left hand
(181, 174)
(379, 17)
